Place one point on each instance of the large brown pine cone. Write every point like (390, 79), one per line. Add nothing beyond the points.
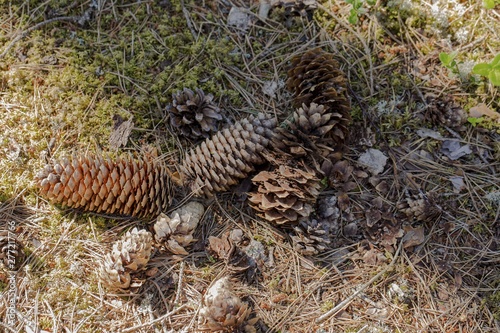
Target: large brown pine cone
(11, 250)
(285, 194)
(315, 77)
(124, 186)
(194, 113)
(229, 156)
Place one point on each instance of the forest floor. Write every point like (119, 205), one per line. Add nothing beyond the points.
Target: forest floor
(72, 71)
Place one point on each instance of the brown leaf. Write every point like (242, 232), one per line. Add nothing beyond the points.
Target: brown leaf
(483, 110)
(413, 236)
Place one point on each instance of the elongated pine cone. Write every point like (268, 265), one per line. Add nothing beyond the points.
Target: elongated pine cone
(93, 183)
(194, 113)
(229, 156)
(315, 77)
(11, 250)
(285, 194)
(176, 232)
(222, 310)
(130, 254)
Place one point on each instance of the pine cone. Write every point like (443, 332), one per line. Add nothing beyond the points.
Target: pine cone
(305, 133)
(194, 113)
(421, 207)
(124, 186)
(222, 309)
(176, 233)
(230, 155)
(129, 254)
(444, 111)
(315, 77)
(285, 194)
(310, 237)
(11, 250)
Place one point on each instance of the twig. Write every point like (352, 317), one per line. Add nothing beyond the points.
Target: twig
(179, 285)
(131, 329)
(349, 299)
(36, 26)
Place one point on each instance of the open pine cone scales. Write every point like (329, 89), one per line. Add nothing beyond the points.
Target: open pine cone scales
(194, 113)
(285, 194)
(229, 156)
(123, 186)
(315, 77)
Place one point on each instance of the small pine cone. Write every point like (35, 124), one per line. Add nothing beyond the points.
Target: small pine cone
(311, 237)
(285, 194)
(176, 233)
(421, 207)
(130, 254)
(194, 113)
(307, 130)
(315, 77)
(444, 111)
(230, 155)
(11, 250)
(124, 186)
(222, 310)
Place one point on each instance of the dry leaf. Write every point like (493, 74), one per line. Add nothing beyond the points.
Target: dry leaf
(413, 236)
(453, 150)
(483, 110)
(373, 160)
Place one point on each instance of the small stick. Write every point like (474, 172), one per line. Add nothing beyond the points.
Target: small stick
(349, 299)
(179, 285)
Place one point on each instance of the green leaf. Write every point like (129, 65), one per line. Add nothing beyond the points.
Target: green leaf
(474, 121)
(353, 18)
(494, 76)
(496, 61)
(447, 59)
(371, 2)
(489, 4)
(482, 69)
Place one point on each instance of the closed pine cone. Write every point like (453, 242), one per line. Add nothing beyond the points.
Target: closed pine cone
(194, 113)
(444, 111)
(229, 156)
(11, 250)
(315, 77)
(130, 254)
(285, 194)
(123, 186)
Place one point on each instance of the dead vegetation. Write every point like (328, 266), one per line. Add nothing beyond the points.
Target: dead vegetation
(407, 225)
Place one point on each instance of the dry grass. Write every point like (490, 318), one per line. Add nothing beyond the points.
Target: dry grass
(62, 83)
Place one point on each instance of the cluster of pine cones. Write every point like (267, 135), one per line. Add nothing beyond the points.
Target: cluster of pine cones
(293, 154)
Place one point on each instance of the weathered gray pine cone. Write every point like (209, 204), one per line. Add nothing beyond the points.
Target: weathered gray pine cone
(421, 207)
(124, 186)
(229, 156)
(444, 111)
(285, 195)
(176, 232)
(129, 254)
(222, 310)
(11, 250)
(315, 77)
(194, 114)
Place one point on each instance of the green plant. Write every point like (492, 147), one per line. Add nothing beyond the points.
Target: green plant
(490, 4)
(357, 9)
(474, 121)
(448, 61)
(490, 70)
